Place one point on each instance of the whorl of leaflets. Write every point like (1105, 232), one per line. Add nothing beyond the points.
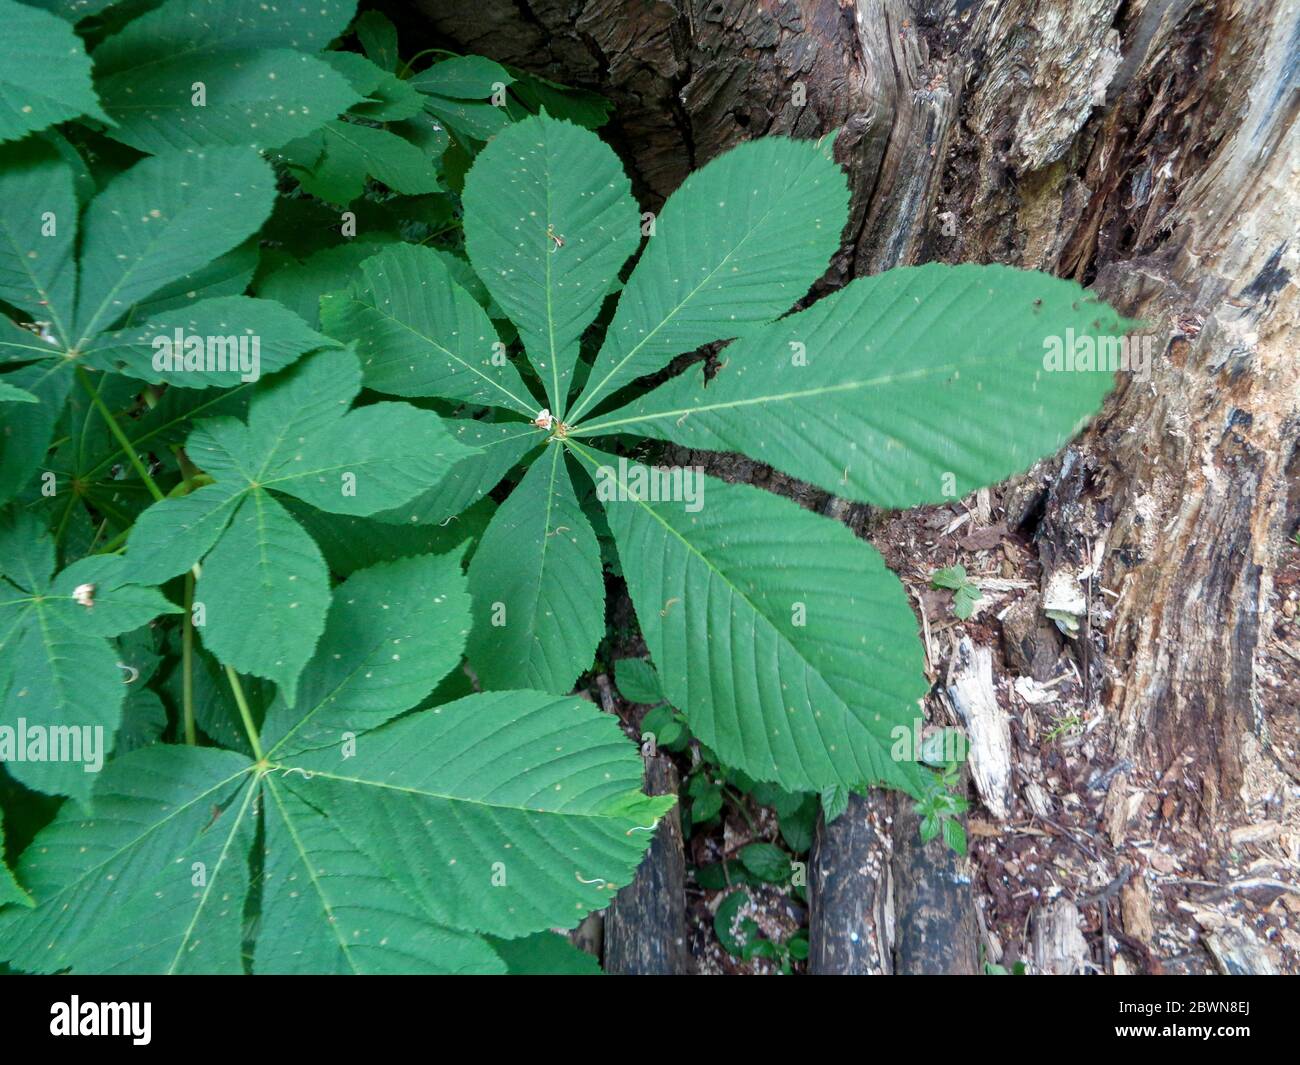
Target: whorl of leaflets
(787, 643)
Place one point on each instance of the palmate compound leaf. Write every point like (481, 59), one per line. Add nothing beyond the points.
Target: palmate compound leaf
(60, 685)
(514, 835)
(782, 637)
(549, 221)
(917, 385)
(740, 241)
(418, 333)
(300, 440)
(44, 72)
(537, 583)
(165, 221)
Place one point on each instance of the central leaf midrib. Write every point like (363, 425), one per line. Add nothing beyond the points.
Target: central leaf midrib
(212, 880)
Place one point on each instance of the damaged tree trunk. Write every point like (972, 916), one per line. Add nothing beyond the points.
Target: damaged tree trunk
(645, 926)
(1148, 148)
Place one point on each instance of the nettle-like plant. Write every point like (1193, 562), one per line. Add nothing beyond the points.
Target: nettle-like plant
(786, 642)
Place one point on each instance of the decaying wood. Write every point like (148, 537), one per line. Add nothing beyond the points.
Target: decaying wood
(850, 889)
(1238, 953)
(645, 925)
(936, 927)
(970, 693)
(1059, 948)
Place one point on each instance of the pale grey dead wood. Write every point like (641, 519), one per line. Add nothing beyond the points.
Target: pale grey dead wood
(969, 691)
(1059, 948)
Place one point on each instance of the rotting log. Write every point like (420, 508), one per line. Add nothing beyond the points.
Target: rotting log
(936, 928)
(850, 904)
(645, 925)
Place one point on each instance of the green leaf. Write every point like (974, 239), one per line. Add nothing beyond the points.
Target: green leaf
(398, 849)
(798, 825)
(164, 217)
(767, 244)
(169, 537)
(44, 72)
(263, 97)
(38, 236)
(549, 221)
(579, 106)
(917, 385)
(12, 394)
(706, 805)
(637, 681)
(948, 577)
(226, 275)
(351, 152)
(453, 786)
(466, 77)
(236, 338)
(544, 954)
(501, 446)
(301, 440)
(328, 906)
(378, 37)
(387, 97)
(393, 630)
(29, 427)
(114, 891)
(350, 543)
(467, 119)
(786, 642)
(725, 917)
(537, 584)
(418, 333)
(963, 603)
(10, 890)
(954, 835)
(61, 685)
(264, 557)
(766, 861)
(118, 604)
(835, 800)
(299, 285)
(206, 27)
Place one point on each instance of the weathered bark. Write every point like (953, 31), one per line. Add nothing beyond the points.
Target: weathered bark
(645, 925)
(936, 929)
(1146, 147)
(850, 903)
